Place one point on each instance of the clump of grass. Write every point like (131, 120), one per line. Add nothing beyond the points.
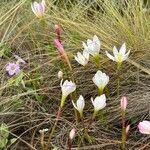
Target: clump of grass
(28, 109)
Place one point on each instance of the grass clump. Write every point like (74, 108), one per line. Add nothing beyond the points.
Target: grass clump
(29, 100)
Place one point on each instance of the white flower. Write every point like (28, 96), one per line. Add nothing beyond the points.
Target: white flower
(119, 56)
(99, 102)
(82, 58)
(60, 74)
(100, 79)
(92, 46)
(38, 8)
(79, 104)
(67, 87)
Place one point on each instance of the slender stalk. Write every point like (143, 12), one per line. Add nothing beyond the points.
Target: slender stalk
(69, 144)
(85, 134)
(118, 78)
(123, 131)
(42, 140)
(53, 129)
(97, 60)
(100, 91)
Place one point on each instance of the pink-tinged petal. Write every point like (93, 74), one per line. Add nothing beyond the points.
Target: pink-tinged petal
(124, 103)
(144, 127)
(72, 134)
(13, 68)
(127, 129)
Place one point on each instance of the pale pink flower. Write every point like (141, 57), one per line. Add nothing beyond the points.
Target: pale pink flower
(58, 32)
(13, 68)
(61, 51)
(72, 134)
(144, 127)
(38, 8)
(124, 103)
(127, 129)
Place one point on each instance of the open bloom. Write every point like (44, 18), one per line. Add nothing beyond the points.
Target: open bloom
(13, 68)
(38, 8)
(100, 79)
(119, 56)
(92, 46)
(124, 103)
(144, 127)
(99, 102)
(82, 58)
(67, 87)
(79, 105)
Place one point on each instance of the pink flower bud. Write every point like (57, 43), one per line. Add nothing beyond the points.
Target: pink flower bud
(72, 134)
(58, 31)
(144, 127)
(124, 103)
(61, 51)
(59, 46)
(127, 129)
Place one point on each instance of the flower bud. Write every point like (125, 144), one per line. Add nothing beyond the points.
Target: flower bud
(72, 134)
(99, 102)
(127, 129)
(124, 103)
(60, 74)
(38, 8)
(144, 127)
(79, 105)
(100, 79)
(58, 32)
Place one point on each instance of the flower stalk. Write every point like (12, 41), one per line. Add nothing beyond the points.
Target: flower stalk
(123, 104)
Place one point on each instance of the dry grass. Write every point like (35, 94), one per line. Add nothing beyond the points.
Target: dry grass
(21, 34)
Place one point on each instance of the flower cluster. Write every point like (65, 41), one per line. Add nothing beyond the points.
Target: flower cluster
(93, 46)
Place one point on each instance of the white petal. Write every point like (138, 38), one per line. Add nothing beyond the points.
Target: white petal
(43, 3)
(80, 103)
(115, 51)
(100, 102)
(96, 40)
(110, 56)
(85, 46)
(86, 54)
(122, 50)
(74, 105)
(126, 55)
(89, 41)
(92, 101)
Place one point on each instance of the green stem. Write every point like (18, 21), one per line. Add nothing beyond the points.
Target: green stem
(100, 91)
(53, 129)
(118, 78)
(97, 60)
(123, 130)
(94, 115)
